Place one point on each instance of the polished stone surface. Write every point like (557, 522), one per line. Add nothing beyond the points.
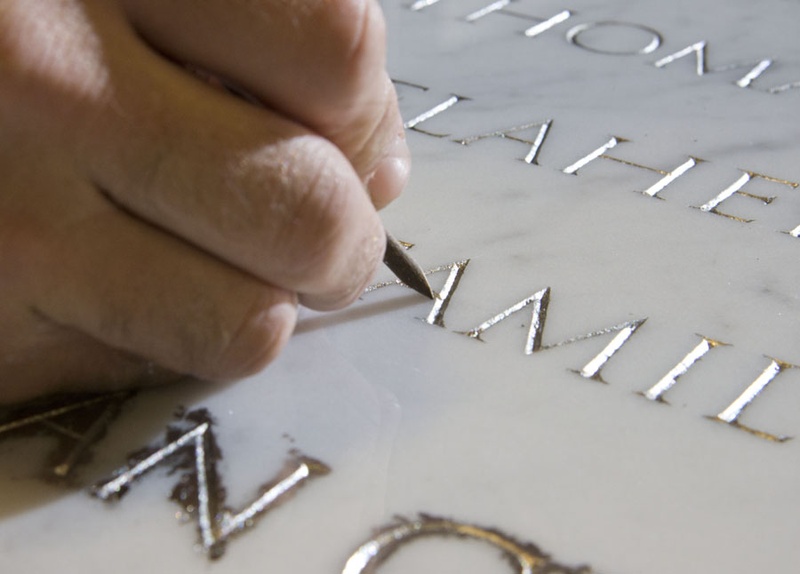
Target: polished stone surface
(611, 433)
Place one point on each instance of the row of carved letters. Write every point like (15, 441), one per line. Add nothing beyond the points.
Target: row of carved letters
(653, 41)
(543, 128)
(539, 303)
(217, 523)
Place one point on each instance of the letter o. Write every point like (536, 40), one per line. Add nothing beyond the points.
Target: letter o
(574, 33)
(372, 553)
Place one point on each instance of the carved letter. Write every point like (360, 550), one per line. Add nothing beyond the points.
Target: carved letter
(532, 157)
(702, 68)
(736, 188)
(731, 414)
(573, 37)
(669, 176)
(192, 448)
(526, 557)
(599, 152)
(445, 294)
(443, 297)
(413, 124)
(540, 301)
(652, 191)
(656, 392)
(592, 369)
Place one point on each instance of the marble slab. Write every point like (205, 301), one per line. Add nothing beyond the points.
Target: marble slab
(606, 196)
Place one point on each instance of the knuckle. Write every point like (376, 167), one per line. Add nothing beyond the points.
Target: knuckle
(379, 133)
(255, 341)
(320, 207)
(358, 93)
(334, 238)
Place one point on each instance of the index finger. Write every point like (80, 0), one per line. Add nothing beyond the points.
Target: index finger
(320, 62)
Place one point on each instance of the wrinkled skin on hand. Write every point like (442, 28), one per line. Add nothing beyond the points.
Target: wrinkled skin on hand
(153, 224)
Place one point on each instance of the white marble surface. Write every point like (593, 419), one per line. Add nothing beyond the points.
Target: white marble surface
(414, 418)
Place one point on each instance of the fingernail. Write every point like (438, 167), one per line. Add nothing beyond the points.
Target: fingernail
(392, 174)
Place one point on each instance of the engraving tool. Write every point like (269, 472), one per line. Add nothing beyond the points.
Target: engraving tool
(405, 268)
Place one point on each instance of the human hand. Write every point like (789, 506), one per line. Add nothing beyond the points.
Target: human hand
(152, 224)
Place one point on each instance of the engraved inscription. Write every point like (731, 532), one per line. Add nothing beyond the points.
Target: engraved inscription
(526, 558)
(624, 39)
(539, 303)
(543, 129)
(191, 448)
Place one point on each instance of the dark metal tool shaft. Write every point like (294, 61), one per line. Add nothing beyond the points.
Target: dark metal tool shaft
(406, 269)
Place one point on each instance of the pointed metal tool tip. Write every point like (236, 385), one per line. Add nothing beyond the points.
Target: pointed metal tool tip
(405, 268)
